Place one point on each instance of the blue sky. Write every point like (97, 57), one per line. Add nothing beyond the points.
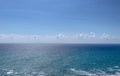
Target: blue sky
(60, 17)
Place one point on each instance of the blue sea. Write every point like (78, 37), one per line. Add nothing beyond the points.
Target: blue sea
(59, 60)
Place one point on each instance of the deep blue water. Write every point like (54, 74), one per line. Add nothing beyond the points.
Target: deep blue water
(59, 60)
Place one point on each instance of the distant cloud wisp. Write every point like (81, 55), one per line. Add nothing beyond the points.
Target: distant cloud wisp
(59, 38)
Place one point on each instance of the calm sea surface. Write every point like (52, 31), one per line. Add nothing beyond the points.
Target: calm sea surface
(59, 60)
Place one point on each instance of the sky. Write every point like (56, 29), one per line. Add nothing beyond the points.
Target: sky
(60, 21)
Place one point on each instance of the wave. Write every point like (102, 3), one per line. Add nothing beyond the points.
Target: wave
(81, 72)
(110, 71)
(115, 71)
(5, 72)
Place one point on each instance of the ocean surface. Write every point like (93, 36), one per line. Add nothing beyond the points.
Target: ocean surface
(59, 60)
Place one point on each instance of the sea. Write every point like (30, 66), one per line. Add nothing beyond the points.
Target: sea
(59, 59)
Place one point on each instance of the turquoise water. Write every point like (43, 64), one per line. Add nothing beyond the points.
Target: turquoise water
(59, 60)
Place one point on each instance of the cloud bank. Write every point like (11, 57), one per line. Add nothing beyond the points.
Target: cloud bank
(59, 38)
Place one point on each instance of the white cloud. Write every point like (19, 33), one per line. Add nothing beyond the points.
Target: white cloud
(59, 38)
(91, 35)
(105, 36)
